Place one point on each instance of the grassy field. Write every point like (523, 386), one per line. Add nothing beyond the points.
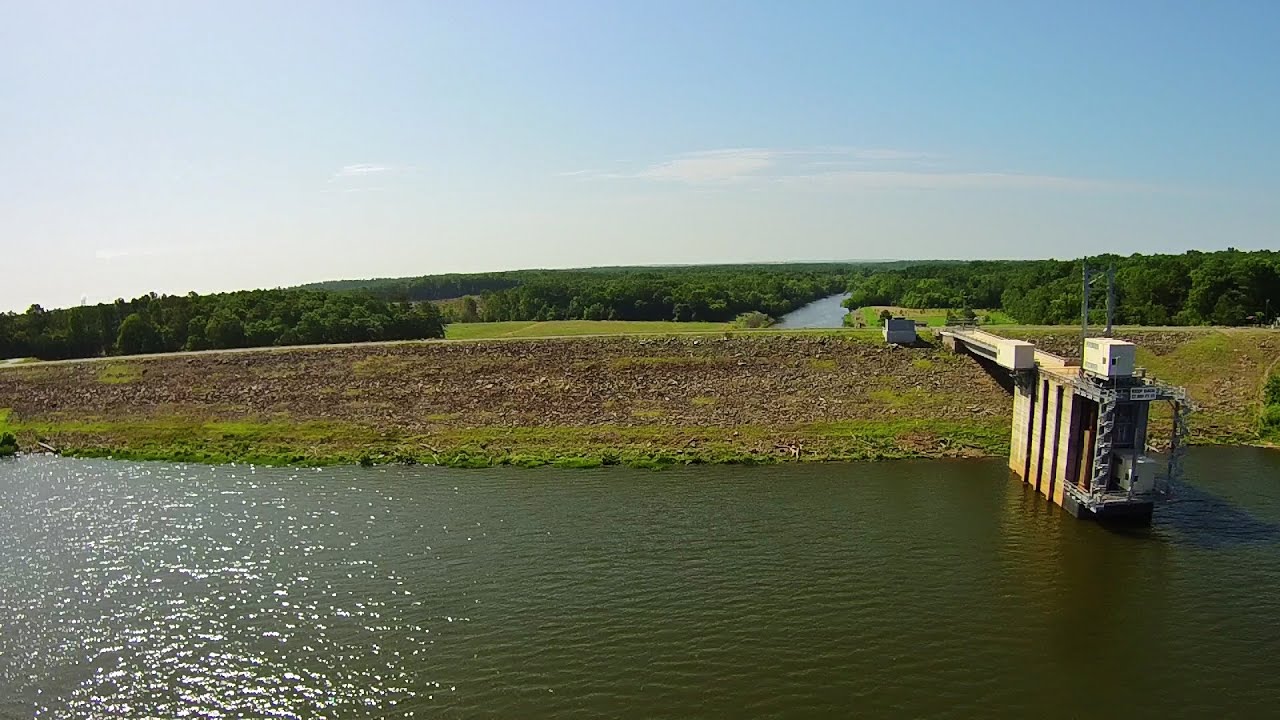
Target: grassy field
(931, 317)
(177, 439)
(560, 328)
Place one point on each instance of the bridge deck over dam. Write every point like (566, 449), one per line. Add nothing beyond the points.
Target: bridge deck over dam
(1007, 353)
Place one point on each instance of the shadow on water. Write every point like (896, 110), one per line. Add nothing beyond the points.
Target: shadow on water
(1205, 520)
(1130, 529)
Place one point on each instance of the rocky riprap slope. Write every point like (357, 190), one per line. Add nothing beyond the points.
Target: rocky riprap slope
(711, 381)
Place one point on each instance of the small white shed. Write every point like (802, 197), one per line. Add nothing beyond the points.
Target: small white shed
(901, 331)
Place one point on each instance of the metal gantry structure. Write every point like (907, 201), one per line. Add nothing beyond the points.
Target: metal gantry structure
(1109, 393)
(1090, 277)
(1182, 408)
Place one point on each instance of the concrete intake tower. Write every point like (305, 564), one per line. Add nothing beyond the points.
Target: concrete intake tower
(1079, 433)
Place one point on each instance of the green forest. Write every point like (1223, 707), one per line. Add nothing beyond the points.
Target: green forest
(432, 287)
(1196, 288)
(1228, 287)
(714, 293)
(255, 318)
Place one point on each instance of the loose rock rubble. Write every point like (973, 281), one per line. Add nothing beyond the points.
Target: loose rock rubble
(719, 382)
(688, 385)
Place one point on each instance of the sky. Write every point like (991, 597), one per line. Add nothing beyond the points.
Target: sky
(207, 146)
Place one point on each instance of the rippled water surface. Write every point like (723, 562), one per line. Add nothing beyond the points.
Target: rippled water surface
(911, 589)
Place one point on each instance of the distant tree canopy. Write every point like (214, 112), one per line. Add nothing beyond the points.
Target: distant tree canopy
(716, 296)
(255, 318)
(1223, 288)
(1220, 288)
(717, 293)
(431, 287)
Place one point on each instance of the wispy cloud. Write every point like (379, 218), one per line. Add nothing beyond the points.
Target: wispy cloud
(737, 164)
(367, 178)
(843, 168)
(362, 170)
(888, 154)
(941, 180)
(712, 165)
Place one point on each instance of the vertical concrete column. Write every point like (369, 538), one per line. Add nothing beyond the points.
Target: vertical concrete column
(1023, 430)
(1044, 443)
(1015, 431)
(1062, 442)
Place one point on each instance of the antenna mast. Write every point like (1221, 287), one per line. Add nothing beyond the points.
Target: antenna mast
(1084, 305)
(1111, 296)
(1089, 276)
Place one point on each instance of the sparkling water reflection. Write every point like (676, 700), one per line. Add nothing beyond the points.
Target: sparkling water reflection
(926, 589)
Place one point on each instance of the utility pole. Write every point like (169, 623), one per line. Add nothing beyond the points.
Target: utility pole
(1089, 277)
(1111, 296)
(1084, 308)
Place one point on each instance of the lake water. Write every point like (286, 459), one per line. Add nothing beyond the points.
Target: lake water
(896, 589)
(824, 313)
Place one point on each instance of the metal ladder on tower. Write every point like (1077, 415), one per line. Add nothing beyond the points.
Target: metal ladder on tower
(1177, 441)
(1104, 442)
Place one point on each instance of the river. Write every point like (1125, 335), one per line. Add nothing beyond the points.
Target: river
(895, 589)
(824, 313)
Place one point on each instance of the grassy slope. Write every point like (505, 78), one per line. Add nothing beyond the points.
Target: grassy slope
(283, 442)
(749, 397)
(1223, 369)
(1230, 403)
(930, 317)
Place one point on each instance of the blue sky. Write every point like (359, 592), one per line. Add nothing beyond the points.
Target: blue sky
(211, 146)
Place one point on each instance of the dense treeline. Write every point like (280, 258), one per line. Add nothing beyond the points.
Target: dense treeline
(657, 295)
(1197, 288)
(255, 318)
(430, 287)
(1223, 288)
(590, 280)
(703, 292)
